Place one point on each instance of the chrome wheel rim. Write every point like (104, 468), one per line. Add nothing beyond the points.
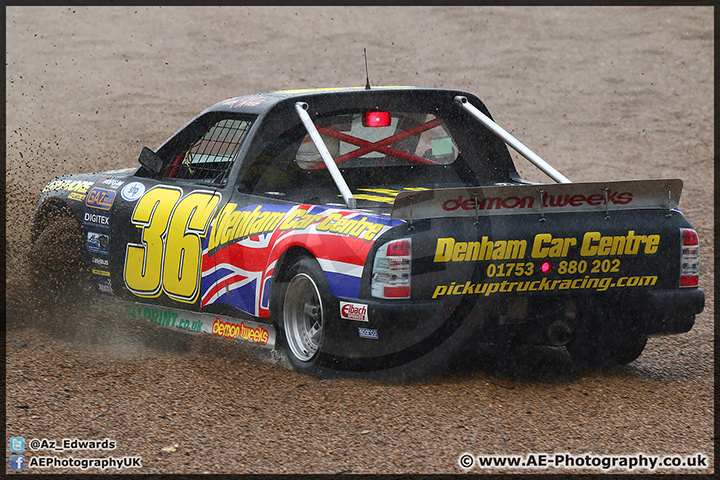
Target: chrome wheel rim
(303, 317)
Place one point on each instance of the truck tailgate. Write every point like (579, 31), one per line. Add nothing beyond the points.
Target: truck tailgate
(575, 238)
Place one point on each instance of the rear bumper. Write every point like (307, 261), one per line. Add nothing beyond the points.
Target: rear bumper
(394, 332)
(397, 332)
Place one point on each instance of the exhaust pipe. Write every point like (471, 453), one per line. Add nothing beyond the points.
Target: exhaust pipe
(559, 333)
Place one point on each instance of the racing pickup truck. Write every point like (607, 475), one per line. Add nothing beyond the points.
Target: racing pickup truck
(369, 228)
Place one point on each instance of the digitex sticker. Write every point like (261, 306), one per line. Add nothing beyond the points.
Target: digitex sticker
(132, 191)
(368, 333)
(354, 311)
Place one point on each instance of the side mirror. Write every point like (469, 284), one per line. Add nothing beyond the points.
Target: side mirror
(150, 160)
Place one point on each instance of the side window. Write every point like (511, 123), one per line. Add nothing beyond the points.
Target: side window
(210, 157)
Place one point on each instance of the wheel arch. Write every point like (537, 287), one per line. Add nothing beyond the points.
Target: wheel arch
(45, 213)
(286, 260)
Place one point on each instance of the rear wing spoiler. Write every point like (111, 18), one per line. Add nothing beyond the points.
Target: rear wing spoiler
(604, 197)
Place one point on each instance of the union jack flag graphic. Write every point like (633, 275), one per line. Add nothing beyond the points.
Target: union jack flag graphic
(239, 270)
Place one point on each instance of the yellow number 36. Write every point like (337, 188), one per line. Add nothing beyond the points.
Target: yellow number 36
(168, 257)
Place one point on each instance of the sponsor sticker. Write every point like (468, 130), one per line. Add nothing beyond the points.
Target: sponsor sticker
(97, 219)
(78, 197)
(233, 330)
(261, 335)
(105, 285)
(132, 191)
(100, 198)
(368, 333)
(100, 261)
(98, 243)
(354, 311)
(77, 186)
(237, 102)
(112, 182)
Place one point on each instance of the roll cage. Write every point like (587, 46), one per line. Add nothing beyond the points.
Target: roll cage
(383, 145)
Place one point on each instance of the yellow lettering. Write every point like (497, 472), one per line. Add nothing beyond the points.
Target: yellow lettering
(604, 246)
(240, 225)
(339, 225)
(539, 249)
(515, 249)
(459, 251)
(306, 221)
(499, 250)
(651, 245)
(588, 249)
(444, 249)
(633, 243)
(595, 244)
(329, 222)
(350, 224)
(485, 249)
(362, 224)
(259, 224)
(373, 231)
(220, 222)
(250, 221)
(473, 251)
(618, 245)
(289, 222)
(228, 227)
(274, 220)
(448, 249)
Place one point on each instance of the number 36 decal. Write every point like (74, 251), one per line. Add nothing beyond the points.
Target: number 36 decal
(168, 257)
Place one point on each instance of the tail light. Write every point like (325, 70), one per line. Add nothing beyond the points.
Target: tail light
(391, 270)
(690, 258)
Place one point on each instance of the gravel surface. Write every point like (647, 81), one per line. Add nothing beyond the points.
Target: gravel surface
(601, 93)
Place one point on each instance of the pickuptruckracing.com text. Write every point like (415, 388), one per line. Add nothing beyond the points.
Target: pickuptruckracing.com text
(605, 463)
(586, 283)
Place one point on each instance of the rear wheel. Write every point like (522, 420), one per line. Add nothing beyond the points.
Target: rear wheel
(303, 317)
(302, 302)
(626, 350)
(602, 345)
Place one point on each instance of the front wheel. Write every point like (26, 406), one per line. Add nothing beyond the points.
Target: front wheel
(59, 275)
(302, 303)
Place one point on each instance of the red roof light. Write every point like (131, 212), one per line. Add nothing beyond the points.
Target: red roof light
(376, 119)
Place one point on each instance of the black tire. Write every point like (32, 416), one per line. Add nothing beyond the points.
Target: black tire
(303, 304)
(627, 350)
(594, 346)
(58, 267)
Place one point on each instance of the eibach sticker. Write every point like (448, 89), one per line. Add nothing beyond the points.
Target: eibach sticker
(354, 311)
